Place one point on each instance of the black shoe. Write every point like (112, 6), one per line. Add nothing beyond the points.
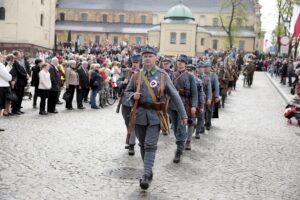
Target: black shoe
(16, 113)
(1, 129)
(21, 112)
(53, 112)
(144, 182)
(197, 136)
(177, 156)
(86, 101)
(43, 113)
(131, 151)
(164, 133)
(127, 146)
(95, 107)
(34, 106)
(202, 131)
(81, 108)
(59, 102)
(69, 108)
(208, 128)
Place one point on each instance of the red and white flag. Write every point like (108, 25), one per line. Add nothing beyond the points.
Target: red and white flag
(295, 22)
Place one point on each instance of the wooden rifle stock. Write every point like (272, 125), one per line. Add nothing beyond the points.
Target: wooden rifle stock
(135, 104)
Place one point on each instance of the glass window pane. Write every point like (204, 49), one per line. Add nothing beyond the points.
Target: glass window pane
(173, 38)
(2, 13)
(104, 18)
(84, 17)
(143, 19)
(122, 18)
(183, 38)
(215, 44)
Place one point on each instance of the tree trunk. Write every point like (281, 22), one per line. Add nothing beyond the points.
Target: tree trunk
(296, 47)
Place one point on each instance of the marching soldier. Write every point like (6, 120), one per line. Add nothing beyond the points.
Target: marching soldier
(126, 104)
(208, 97)
(167, 64)
(249, 71)
(215, 95)
(200, 108)
(223, 80)
(186, 86)
(148, 88)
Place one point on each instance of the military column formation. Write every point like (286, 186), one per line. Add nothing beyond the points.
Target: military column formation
(185, 94)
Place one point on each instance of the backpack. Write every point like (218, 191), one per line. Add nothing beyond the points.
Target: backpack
(103, 74)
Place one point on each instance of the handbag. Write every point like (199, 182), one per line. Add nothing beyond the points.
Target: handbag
(66, 96)
(11, 95)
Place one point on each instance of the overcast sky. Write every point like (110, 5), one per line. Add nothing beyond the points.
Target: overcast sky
(269, 15)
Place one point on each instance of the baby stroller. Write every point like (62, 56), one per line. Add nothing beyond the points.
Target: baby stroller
(292, 110)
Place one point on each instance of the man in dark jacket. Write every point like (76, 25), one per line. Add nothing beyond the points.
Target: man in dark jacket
(19, 81)
(83, 83)
(35, 79)
(55, 89)
(95, 83)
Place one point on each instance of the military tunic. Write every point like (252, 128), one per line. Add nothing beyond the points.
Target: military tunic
(187, 82)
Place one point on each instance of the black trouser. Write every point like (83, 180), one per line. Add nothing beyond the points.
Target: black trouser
(35, 96)
(86, 92)
(79, 97)
(52, 100)
(16, 106)
(71, 90)
(43, 95)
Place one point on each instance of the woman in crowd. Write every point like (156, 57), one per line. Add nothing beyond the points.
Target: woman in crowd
(72, 82)
(10, 59)
(35, 79)
(5, 77)
(44, 86)
(95, 84)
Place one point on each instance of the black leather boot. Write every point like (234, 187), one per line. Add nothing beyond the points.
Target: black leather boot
(178, 154)
(131, 151)
(145, 182)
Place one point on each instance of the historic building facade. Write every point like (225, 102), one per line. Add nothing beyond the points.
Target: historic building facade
(27, 24)
(144, 22)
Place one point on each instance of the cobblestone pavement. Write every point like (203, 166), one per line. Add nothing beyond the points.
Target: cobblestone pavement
(250, 153)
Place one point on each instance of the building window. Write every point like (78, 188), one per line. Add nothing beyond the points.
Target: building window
(84, 17)
(202, 41)
(215, 44)
(173, 38)
(215, 21)
(2, 13)
(242, 45)
(138, 40)
(62, 16)
(122, 18)
(104, 18)
(42, 20)
(143, 19)
(202, 20)
(182, 38)
(97, 39)
(115, 40)
(42, 2)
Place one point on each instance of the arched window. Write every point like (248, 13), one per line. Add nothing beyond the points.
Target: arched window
(122, 18)
(143, 19)
(2, 13)
(62, 16)
(42, 20)
(104, 18)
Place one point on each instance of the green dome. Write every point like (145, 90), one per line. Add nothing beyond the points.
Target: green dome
(179, 11)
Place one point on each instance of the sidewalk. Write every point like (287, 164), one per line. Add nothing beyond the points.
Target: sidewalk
(284, 90)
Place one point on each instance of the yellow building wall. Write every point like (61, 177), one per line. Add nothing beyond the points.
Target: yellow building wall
(154, 38)
(166, 48)
(22, 23)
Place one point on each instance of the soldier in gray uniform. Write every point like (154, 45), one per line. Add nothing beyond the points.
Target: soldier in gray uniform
(200, 108)
(167, 64)
(147, 121)
(186, 86)
(215, 88)
(207, 99)
(126, 104)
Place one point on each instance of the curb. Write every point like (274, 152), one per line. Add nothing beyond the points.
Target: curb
(279, 90)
